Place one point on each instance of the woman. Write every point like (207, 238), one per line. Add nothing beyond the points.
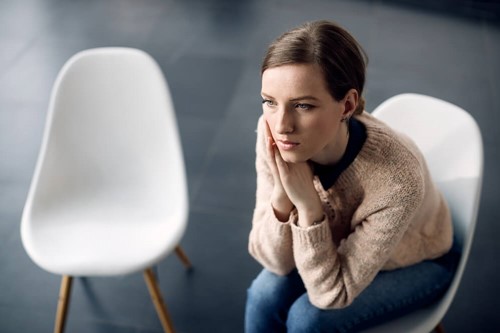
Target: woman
(348, 225)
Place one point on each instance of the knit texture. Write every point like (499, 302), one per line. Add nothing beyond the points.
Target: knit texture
(383, 212)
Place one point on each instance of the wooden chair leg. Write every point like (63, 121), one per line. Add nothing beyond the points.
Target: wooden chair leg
(160, 306)
(439, 328)
(63, 302)
(182, 256)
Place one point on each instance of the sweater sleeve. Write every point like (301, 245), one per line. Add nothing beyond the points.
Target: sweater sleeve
(335, 276)
(270, 241)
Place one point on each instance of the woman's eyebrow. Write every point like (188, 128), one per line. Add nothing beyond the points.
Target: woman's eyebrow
(301, 98)
(295, 99)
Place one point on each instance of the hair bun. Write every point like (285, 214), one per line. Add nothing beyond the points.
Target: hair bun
(361, 106)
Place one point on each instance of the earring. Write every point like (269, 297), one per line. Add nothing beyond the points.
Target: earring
(346, 121)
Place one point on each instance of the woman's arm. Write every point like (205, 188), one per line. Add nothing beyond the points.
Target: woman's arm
(270, 241)
(333, 275)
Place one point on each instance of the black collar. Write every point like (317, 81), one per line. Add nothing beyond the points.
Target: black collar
(328, 174)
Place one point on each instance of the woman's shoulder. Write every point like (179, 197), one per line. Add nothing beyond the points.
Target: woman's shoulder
(388, 156)
(387, 143)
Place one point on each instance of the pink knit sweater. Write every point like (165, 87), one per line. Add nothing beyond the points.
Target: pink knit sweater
(383, 212)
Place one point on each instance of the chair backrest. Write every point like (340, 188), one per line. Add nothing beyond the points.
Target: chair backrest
(110, 141)
(451, 142)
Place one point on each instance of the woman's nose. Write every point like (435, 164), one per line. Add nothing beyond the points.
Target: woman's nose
(284, 123)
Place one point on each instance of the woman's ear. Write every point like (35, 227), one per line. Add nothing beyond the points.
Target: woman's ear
(350, 102)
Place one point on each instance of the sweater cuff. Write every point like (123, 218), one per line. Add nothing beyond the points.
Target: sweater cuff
(312, 236)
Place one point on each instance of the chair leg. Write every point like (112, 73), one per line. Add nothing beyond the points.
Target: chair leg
(182, 256)
(160, 306)
(63, 302)
(439, 328)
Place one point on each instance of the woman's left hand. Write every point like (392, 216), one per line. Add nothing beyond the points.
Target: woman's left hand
(297, 180)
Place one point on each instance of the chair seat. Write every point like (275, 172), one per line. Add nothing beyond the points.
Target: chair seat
(78, 244)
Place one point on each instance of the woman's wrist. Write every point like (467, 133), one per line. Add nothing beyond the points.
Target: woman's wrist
(307, 220)
(310, 215)
(282, 206)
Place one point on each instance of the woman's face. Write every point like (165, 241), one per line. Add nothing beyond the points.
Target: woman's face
(304, 119)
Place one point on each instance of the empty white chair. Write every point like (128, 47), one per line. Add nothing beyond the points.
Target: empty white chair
(109, 194)
(451, 142)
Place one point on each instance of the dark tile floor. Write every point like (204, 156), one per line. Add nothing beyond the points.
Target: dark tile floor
(210, 52)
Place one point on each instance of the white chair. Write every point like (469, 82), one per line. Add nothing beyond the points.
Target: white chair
(109, 195)
(451, 142)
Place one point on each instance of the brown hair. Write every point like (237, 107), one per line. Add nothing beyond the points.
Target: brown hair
(339, 55)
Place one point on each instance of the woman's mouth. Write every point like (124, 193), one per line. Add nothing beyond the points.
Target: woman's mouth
(287, 145)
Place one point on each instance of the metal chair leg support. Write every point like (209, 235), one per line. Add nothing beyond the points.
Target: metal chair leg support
(62, 306)
(439, 328)
(182, 256)
(160, 306)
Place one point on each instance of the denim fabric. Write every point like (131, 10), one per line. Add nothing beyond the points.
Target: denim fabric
(280, 303)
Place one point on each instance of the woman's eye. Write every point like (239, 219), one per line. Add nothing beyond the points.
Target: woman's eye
(268, 102)
(303, 106)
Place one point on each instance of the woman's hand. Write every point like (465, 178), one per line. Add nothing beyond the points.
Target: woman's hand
(293, 186)
(279, 199)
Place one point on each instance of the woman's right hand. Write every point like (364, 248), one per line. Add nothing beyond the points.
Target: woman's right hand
(279, 199)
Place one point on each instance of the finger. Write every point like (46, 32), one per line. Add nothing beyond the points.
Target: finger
(269, 141)
(271, 160)
(280, 163)
(270, 147)
(270, 150)
(274, 156)
(268, 131)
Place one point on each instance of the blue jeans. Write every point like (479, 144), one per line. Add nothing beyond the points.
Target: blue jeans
(280, 303)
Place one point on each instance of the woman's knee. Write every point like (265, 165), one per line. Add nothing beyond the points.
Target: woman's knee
(265, 289)
(270, 290)
(267, 303)
(261, 285)
(304, 317)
